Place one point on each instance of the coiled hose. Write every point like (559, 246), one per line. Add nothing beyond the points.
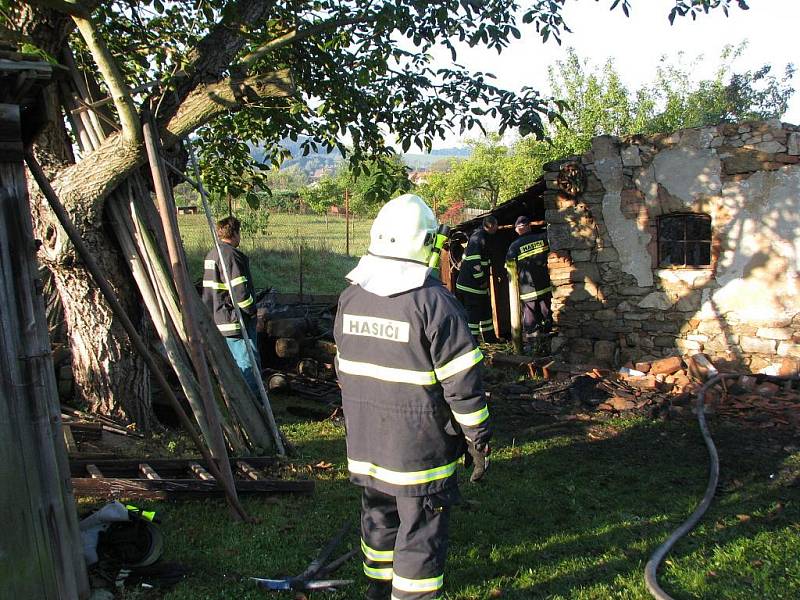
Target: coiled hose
(650, 569)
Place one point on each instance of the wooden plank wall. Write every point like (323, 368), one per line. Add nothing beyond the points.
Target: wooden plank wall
(40, 551)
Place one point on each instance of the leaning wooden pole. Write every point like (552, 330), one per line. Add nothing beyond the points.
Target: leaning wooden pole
(514, 306)
(166, 208)
(108, 293)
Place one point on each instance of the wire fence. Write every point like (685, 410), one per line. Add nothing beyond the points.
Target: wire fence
(292, 253)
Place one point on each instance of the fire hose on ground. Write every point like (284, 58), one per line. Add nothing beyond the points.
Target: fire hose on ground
(650, 577)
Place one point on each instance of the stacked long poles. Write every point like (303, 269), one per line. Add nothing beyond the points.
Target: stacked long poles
(166, 207)
(108, 293)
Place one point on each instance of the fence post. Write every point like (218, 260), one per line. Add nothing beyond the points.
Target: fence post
(347, 221)
(300, 250)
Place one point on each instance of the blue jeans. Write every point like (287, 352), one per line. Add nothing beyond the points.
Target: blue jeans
(238, 348)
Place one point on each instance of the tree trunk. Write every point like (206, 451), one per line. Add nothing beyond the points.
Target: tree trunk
(110, 377)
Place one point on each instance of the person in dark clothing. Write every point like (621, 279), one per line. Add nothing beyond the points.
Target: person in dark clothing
(529, 252)
(219, 297)
(413, 399)
(472, 284)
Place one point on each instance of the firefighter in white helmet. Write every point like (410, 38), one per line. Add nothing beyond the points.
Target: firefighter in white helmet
(413, 402)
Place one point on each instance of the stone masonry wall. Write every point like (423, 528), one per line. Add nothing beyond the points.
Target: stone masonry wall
(613, 304)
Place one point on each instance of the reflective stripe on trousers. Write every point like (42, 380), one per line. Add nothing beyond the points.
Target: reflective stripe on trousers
(404, 539)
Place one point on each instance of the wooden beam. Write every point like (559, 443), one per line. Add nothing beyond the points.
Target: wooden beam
(200, 472)
(166, 206)
(248, 471)
(69, 439)
(148, 471)
(119, 312)
(174, 489)
(94, 471)
(168, 468)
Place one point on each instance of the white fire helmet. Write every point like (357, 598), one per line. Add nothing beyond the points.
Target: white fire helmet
(405, 228)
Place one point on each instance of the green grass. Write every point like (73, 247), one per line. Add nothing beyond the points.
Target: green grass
(299, 251)
(572, 515)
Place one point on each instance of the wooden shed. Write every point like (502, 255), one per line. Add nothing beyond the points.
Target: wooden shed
(529, 203)
(40, 550)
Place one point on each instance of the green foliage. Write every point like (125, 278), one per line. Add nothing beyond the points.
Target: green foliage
(323, 194)
(596, 102)
(291, 179)
(374, 183)
(255, 223)
(729, 97)
(361, 69)
(368, 186)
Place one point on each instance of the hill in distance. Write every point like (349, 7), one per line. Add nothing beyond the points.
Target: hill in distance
(330, 161)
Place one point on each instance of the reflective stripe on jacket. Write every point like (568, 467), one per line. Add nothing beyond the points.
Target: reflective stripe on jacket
(530, 251)
(409, 371)
(473, 276)
(215, 290)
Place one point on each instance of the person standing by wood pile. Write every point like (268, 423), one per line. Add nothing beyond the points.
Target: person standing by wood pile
(529, 252)
(413, 401)
(219, 298)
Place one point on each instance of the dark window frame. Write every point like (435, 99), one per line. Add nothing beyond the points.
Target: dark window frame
(676, 253)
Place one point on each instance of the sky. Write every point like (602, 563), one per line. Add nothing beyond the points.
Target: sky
(637, 44)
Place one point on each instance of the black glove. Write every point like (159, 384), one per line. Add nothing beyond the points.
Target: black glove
(477, 455)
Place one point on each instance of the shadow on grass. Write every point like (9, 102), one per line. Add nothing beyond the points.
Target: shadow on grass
(557, 517)
(570, 518)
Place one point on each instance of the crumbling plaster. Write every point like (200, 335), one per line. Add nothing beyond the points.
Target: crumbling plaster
(757, 272)
(756, 275)
(629, 241)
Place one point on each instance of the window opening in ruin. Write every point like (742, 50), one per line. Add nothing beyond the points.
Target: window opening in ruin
(684, 240)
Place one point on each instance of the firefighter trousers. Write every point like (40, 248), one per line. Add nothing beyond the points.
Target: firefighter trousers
(404, 542)
(536, 317)
(238, 348)
(479, 315)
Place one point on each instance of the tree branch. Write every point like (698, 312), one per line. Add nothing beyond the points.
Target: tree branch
(83, 186)
(295, 36)
(212, 56)
(64, 6)
(128, 117)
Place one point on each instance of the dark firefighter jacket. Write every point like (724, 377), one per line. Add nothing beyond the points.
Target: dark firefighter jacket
(215, 291)
(530, 251)
(408, 368)
(473, 278)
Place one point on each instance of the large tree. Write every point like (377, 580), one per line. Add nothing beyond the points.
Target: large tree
(232, 72)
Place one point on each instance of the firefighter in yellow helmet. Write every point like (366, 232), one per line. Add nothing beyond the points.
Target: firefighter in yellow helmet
(413, 402)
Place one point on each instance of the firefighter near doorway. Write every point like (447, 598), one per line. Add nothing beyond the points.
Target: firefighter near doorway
(472, 285)
(412, 394)
(526, 259)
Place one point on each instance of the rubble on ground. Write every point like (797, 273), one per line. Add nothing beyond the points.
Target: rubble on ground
(665, 388)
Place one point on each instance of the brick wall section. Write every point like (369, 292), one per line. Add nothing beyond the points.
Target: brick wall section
(611, 301)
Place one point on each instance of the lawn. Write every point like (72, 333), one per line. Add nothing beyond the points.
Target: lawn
(305, 253)
(572, 514)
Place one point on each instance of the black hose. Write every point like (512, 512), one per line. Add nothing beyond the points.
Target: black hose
(650, 569)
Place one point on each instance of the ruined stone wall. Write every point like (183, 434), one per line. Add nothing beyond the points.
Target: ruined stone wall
(612, 301)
